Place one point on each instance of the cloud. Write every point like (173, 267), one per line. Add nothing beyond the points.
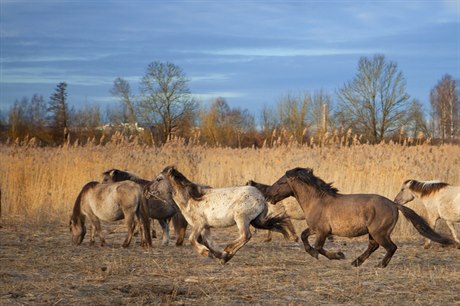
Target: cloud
(41, 75)
(215, 94)
(283, 52)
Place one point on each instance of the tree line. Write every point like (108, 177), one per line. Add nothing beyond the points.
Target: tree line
(374, 106)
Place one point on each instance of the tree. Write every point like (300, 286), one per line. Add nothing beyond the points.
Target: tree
(321, 106)
(374, 103)
(416, 122)
(222, 125)
(122, 90)
(445, 104)
(293, 114)
(165, 99)
(60, 114)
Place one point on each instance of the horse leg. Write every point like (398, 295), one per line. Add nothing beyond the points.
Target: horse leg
(96, 230)
(129, 219)
(165, 227)
(200, 248)
(205, 239)
(319, 243)
(269, 236)
(152, 224)
(291, 230)
(180, 226)
(389, 246)
(308, 248)
(451, 226)
(371, 248)
(233, 247)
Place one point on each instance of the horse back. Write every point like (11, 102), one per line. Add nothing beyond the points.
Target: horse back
(109, 202)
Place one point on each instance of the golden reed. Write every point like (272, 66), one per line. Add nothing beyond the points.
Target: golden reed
(41, 184)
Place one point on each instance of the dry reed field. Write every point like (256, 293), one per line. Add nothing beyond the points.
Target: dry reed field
(39, 264)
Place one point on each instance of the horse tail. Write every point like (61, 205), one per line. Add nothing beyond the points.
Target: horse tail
(422, 226)
(144, 218)
(77, 206)
(276, 223)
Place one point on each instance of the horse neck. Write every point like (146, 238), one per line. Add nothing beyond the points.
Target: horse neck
(307, 197)
(181, 198)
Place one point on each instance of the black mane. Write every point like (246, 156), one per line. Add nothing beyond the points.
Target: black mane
(425, 188)
(195, 191)
(306, 176)
(117, 175)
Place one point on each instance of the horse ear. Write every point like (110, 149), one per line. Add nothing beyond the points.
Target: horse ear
(112, 172)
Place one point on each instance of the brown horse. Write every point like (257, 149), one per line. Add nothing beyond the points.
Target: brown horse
(162, 211)
(346, 215)
(109, 202)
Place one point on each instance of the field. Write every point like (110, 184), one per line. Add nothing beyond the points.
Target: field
(39, 265)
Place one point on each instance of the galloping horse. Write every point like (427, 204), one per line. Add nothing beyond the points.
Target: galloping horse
(160, 210)
(109, 202)
(346, 215)
(287, 208)
(205, 208)
(441, 200)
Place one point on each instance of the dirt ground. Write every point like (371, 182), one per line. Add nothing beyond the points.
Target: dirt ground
(40, 266)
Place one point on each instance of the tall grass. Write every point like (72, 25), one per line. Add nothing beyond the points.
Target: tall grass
(40, 184)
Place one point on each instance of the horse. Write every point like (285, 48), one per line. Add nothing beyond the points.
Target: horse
(287, 208)
(162, 211)
(204, 208)
(109, 202)
(441, 201)
(346, 215)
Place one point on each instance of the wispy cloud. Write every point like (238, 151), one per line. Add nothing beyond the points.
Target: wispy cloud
(40, 75)
(284, 52)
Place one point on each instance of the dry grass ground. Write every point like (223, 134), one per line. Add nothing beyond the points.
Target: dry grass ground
(39, 266)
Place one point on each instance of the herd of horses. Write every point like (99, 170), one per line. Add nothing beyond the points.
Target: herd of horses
(328, 213)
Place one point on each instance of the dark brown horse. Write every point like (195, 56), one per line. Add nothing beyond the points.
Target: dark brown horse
(346, 215)
(160, 210)
(109, 202)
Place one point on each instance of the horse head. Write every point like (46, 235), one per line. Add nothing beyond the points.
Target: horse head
(159, 188)
(279, 190)
(77, 229)
(115, 175)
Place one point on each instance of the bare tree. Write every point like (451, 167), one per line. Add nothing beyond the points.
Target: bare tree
(375, 101)
(122, 90)
(165, 98)
(445, 104)
(293, 115)
(226, 126)
(416, 122)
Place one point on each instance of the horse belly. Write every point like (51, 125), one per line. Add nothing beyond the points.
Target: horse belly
(449, 209)
(109, 213)
(344, 228)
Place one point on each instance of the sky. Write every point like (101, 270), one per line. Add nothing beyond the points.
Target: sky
(250, 52)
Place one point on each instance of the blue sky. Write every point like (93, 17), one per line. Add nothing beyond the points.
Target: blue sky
(250, 52)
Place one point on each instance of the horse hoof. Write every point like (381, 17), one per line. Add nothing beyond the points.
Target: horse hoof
(225, 258)
(340, 255)
(355, 263)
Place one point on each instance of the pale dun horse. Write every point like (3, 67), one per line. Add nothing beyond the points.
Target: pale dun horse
(205, 208)
(441, 201)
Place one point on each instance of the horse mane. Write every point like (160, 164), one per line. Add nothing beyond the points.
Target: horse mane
(425, 188)
(306, 176)
(261, 187)
(76, 212)
(120, 175)
(195, 191)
